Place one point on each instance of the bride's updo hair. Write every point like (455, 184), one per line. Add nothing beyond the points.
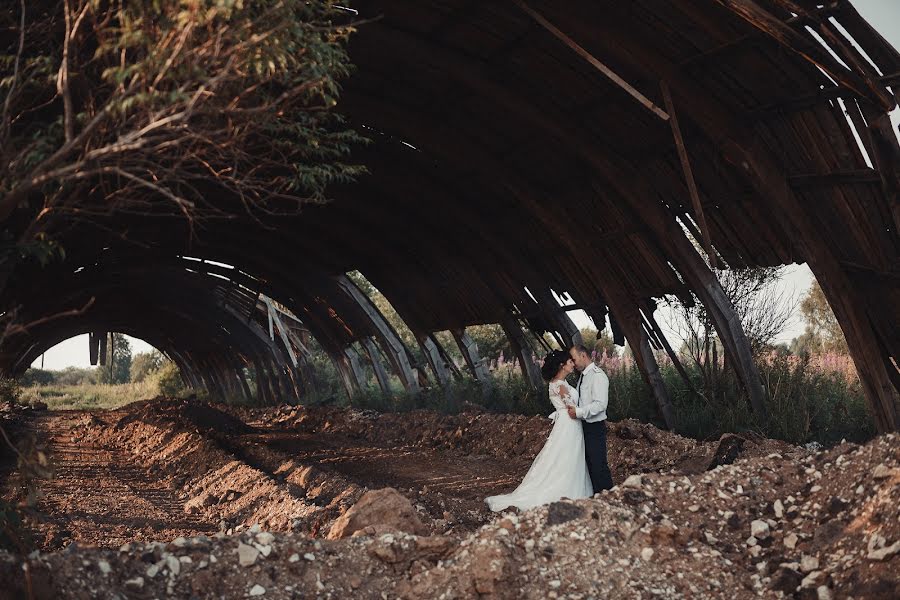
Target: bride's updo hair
(552, 363)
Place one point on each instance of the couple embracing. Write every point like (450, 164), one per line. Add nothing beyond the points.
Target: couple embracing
(572, 463)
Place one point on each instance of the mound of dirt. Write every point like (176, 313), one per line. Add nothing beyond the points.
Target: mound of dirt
(634, 447)
(826, 525)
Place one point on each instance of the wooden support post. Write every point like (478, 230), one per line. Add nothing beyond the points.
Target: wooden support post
(356, 368)
(650, 370)
(103, 339)
(469, 350)
(239, 373)
(375, 357)
(94, 347)
(522, 350)
(342, 364)
(393, 346)
(433, 356)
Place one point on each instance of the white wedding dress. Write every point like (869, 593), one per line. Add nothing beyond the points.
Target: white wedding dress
(559, 470)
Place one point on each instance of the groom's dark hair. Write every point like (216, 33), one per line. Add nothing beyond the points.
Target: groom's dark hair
(580, 348)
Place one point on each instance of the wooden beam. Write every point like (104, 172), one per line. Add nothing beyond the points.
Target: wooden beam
(397, 353)
(856, 176)
(522, 349)
(558, 317)
(590, 58)
(103, 338)
(654, 378)
(809, 49)
(375, 358)
(469, 350)
(688, 174)
(433, 355)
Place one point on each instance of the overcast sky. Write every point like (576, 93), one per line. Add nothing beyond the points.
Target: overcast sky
(884, 15)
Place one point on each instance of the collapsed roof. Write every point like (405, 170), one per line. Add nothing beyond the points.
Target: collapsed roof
(519, 148)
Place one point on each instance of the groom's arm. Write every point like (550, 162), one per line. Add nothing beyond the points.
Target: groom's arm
(598, 397)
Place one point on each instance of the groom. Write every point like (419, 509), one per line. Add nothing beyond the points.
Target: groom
(593, 397)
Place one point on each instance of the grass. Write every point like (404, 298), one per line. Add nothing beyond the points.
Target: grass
(88, 396)
(813, 399)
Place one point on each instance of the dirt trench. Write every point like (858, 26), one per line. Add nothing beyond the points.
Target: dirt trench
(160, 470)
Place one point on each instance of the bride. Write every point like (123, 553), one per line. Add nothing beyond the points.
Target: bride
(559, 470)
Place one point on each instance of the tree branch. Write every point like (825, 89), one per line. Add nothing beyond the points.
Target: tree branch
(4, 120)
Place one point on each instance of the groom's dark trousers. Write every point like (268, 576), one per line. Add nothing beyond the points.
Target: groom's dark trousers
(595, 453)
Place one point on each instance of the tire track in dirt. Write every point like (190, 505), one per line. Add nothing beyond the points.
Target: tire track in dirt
(100, 496)
(448, 489)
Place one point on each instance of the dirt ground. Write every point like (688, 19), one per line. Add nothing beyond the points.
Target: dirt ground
(161, 482)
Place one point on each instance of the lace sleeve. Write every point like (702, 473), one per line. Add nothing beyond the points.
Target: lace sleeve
(555, 397)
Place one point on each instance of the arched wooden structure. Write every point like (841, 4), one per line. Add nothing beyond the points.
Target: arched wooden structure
(521, 148)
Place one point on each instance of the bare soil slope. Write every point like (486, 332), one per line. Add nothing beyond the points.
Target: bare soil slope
(159, 497)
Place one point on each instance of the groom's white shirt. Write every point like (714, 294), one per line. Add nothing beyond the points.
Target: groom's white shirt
(593, 395)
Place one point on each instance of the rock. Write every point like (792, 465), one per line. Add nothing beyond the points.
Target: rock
(174, 565)
(104, 567)
(759, 529)
(152, 570)
(265, 538)
(378, 507)
(247, 555)
(309, 556)
(812, 580)
(257, 590)
(878, 551)
(727, 450)
(790, 541)
(294, 558)
(633, 481)
(882, 471)
(808, 563)
(489, 564)
(778, 507)
(135, 584)
(562, 512)
(647, 554)
(823, 592)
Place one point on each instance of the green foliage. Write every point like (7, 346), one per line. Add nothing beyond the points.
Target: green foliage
(118, 361)
(169, 380)
(823, 332)
(806, 404)
(144, 364)
(598, 342)
(240, 93)
(10, 391)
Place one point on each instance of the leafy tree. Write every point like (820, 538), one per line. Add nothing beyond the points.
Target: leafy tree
(823, 333)
(170, 381)
(37, 377)
(491, 341)
(598, 342)
(146, 363)
(167, 107)
(118, 361)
